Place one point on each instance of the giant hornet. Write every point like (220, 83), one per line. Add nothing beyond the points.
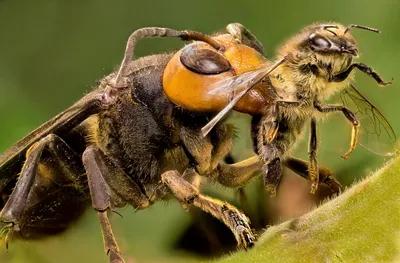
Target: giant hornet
(151, 128)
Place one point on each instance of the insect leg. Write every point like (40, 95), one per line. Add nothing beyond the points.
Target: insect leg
(243, 35)
(312, 154)
(206, 157)
(270, 125)
(273, 174)
(237, 174)
(270, 149)
(270, 121)
(325, 175)
(269, 153)
(67, 161)
(364, 68)
(103, 176)
(222, 141)
(350, 116)
(198, 149)
(186, 193)
(155, 32)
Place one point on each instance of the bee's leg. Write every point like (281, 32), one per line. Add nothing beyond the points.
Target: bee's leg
(106, 179)
(65, 158)
(325, 175)
(269, 154)
(243, 35)
(364, 68)
(270, 122)
(147, 32)
(187, 194)
(350, 116)
(312, 154)
(273, 174)
(270, 125)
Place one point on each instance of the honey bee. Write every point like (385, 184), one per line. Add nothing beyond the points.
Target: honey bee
(309, 68)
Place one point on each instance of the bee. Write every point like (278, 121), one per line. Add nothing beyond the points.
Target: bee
(309, 68)
(152, 129)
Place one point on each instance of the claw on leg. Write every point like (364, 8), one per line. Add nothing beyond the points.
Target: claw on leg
(187, 194)
(325, 175)
(6, 232)
(334, 184)
(273, 175)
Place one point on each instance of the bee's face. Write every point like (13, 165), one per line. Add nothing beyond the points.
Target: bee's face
(328, 40)
(327, 49)
(322, 42)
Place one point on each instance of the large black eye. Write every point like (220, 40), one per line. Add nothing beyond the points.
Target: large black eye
(319, 42)
(204, 61)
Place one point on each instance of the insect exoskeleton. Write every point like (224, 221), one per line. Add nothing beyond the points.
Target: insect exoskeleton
(195, 70)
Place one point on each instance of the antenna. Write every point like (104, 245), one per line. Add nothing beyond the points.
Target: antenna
(361, 27)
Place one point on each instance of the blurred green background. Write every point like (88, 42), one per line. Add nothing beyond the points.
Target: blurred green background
(52, 52)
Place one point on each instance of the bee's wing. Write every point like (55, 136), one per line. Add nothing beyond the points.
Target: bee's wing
(237, 86)
(376, 134)
(12, 159)
(238, 83)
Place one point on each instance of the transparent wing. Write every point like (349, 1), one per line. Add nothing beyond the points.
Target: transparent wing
(376, 134)
(237, 86)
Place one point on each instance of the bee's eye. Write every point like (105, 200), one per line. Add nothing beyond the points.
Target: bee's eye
(319, 42)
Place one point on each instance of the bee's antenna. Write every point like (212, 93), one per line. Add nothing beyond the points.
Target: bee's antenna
(361, 27)
(326, 27)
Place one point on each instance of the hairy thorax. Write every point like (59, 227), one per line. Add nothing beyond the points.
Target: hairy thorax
(309, 79)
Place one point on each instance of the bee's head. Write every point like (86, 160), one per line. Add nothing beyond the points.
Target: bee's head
(319, 53)
(331, 39)
(323, 50)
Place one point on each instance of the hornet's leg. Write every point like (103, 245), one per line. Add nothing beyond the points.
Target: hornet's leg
(147, 32)
(325, 175)
(206, 154)
(222, 140)
(102, 176)
(32, 189)
(187, 194)
(237, 174)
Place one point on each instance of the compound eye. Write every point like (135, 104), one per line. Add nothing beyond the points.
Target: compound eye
(319, 42)
(204, 61)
